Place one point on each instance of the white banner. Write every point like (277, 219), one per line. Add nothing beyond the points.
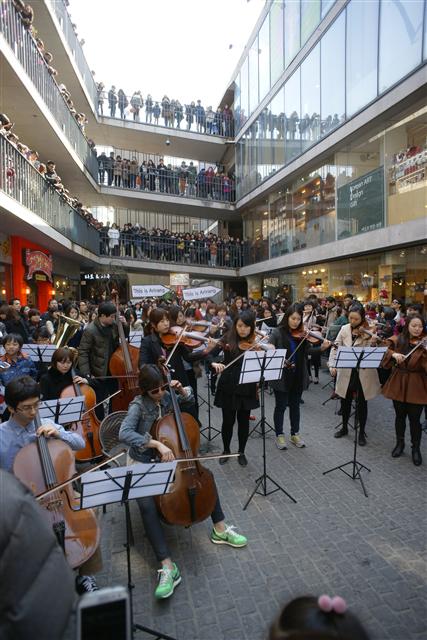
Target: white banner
(149, 291)
(200, 292)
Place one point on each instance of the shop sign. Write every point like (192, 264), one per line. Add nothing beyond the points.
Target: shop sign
(96, 276)
(40, 277)
(179, 279)
(149, 291)
(199, 293)
(360, 204)
(38, 261)
(271, 282)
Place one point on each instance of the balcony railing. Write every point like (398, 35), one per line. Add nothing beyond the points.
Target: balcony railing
(75, 47)
(173, 248)
(170, 114)
(22, 182)
(25, 49)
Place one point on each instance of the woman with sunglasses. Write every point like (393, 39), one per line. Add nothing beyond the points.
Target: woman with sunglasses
(155, 401)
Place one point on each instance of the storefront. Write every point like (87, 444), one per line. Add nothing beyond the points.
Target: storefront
(380, 277)
(99, 286)
(5, 268)
(32, 280)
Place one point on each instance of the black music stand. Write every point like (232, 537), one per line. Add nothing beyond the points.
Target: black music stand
(357, 358)
(63, 410)
(39, 352)
(122, 484)
(259, 366)
(209, 429)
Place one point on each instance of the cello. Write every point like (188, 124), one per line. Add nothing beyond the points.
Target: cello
(41, 466)
(89, 424)
(194, 495)
(124, 365)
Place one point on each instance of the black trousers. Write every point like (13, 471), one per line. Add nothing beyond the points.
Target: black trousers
(228, 420)
(361, 404)
(413, 412)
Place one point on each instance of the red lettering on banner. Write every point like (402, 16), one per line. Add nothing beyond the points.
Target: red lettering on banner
(38, 261)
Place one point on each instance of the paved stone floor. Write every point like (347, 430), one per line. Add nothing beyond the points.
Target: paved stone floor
(334, 540)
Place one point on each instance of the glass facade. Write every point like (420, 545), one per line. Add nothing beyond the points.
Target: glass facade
(375, 181)
(341, 75)
(380, 277)
(406, 19)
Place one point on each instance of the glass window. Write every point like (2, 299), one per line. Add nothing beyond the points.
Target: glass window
(310, 18)
(277, 130)
(237, 103)
(244, 93)
(253, 76)
(333, 76)
(264, 58)
(326, 5)
(310, 99)
(362, 18)
(401, 36)
(276, 40)
(292, 116)
(292, 30)
(425, 35)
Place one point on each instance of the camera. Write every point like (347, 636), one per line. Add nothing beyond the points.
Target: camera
(104, 613)
(167, 143)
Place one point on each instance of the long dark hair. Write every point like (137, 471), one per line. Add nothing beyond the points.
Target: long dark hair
(293, 308)
(403, 340)
(155, 316)
(232, 338)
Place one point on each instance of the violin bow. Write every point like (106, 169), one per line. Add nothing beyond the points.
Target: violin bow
(421, 343)
(255, 344)
(175, 346)
(99, 403)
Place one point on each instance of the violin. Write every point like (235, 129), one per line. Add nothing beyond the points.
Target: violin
(124, 365)
(191, 339)
(309, 336)
(88, 427)
(41, 466)
(194, 495)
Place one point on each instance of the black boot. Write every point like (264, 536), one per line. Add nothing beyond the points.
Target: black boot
(362, 437)
(416, 455)
(342, 432)
(224, 460)
(398, 449)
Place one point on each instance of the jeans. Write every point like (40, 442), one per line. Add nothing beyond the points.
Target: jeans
(153, 526)
(286, 399)
(228, 419)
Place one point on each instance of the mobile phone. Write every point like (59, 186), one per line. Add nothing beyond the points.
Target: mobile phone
(104, 614)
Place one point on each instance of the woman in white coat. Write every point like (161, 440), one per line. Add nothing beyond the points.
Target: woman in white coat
(367, 386)
(113, 240)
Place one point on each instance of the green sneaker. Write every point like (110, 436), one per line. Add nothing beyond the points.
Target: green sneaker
(229, 536)
(168, 580)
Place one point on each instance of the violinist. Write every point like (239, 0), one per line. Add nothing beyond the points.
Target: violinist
(22, 397)
(58, 377)
(152, 348)
(154, 402)
(365, 386)
(288, 390)
(407, 384)
(99, 341)
(236, 400)
(314, 358)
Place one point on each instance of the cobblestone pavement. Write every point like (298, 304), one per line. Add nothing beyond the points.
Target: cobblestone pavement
(334, 540)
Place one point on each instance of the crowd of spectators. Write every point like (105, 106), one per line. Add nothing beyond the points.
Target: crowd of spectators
(26, 14)
(166, 112)
(183, 180)
(134, 241)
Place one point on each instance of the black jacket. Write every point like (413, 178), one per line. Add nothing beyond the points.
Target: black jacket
(295, 379)
(152, 349)
(97, 345)
(37, 584)
(53, 383)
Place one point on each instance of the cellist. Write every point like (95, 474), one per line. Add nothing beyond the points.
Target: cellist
(154, 402)
(22, 396)
(58, 377)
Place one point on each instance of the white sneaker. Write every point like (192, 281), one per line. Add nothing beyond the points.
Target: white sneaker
(297, 441)
(281, 442)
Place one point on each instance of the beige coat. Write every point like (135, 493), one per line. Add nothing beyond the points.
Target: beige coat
(368, 377)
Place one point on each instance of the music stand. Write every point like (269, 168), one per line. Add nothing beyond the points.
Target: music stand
(135, 338)
(209, 437)
(259, 366)
(39, 352)
(140, 480)
(63, 410)
(357, 358)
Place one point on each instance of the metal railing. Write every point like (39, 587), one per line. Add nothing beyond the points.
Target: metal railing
(20, 180)
(174, 248)
(25, 49)
(165, 113)
(75, 47)
(140, 173)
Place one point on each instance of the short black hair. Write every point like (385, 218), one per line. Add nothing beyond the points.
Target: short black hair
(348, 295)
(150, 377)
(13, 337)
(330, 299)
(106, 309)
(20, 389)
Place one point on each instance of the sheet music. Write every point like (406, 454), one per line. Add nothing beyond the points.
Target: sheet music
(39, 352)
(62, 411)
(251, 367)
(135, 338)
(348, 357)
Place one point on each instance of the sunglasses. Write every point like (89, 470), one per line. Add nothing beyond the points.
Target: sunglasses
(159, 389)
